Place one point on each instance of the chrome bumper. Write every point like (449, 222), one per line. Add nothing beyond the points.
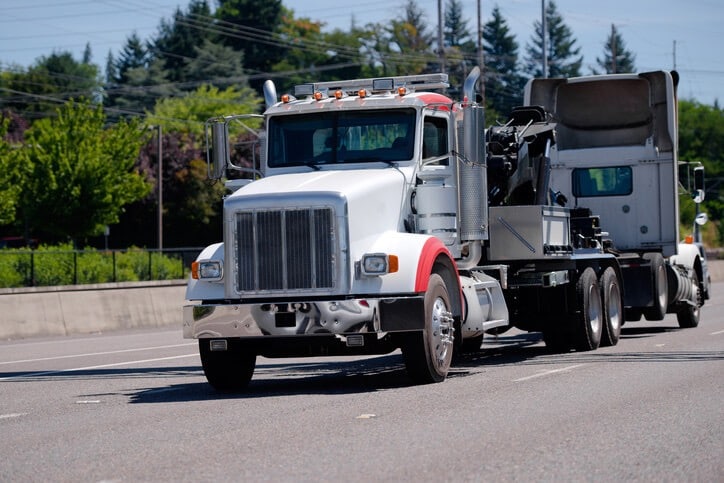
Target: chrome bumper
(303, 318)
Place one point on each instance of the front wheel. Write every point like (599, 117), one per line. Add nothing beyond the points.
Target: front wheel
(229, 370)
(688, 316)
(660, 288)
(428, 353)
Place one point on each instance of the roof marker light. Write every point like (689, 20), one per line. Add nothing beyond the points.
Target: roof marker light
(402, 90)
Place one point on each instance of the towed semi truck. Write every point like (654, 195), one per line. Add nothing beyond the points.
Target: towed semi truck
(382, 215)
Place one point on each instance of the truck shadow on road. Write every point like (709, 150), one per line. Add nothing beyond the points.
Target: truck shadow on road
(275, 379)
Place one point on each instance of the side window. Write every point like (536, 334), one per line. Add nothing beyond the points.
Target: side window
(590, 182)
(434, 140)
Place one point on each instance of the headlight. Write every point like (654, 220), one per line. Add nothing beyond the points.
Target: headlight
(207, 270)
(374, 264)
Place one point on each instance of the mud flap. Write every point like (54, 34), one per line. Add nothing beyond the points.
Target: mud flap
(402, 314)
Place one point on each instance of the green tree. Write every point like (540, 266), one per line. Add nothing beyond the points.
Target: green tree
(53, 79)
(564, 59)
(252, 26)
(455, 31)
(215, 63)
(80, 174)
(503, 82)
(134, 55)
(140, 89)
(701, 139)
(617, 59)
(187, 114)
(408, 51)
(177, 40)
(460, 47)
(307, 50)
(10, 187)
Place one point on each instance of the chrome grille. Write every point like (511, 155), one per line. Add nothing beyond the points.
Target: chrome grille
(285, 249)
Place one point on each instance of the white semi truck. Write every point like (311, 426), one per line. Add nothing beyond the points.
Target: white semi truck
(382, 215)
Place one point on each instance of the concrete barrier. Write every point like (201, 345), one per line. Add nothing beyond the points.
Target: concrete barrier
(78, 309)
(83, 309)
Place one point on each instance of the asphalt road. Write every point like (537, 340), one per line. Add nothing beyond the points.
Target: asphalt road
(134, 406)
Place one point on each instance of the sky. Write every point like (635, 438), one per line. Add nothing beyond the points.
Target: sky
(663, 34)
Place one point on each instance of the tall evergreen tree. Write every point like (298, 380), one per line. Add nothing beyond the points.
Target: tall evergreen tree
(134, 55)
(250, 26)
(176, 42)
(503, 82)
(455, 31)
(564, 59)
(410, 41)
(617, 59)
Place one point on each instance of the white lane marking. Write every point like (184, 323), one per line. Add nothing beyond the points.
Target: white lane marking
(100, 353)
(11, 415)
(89, 368)
(717, 332)
(548, 373)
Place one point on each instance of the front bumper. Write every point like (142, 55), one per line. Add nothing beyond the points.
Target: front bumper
(341, 317)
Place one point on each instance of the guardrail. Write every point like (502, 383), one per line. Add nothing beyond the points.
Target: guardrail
(34, 268)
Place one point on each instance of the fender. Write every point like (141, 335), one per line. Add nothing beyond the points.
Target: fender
(434, 251)
(687, 255)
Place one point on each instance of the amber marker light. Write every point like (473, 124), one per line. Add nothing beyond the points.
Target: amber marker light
(402, 91)
(362, 93)
(285, 98)
(318, 96)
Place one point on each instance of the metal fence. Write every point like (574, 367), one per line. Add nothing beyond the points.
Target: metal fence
(30, 268)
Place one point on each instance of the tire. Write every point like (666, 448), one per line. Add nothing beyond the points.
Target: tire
(587, 322)
(428, 353)
(229, 370)
(612, 303)
(688, 316)
(633, 314)
(556, 338)
(472, 345)
(660, 288)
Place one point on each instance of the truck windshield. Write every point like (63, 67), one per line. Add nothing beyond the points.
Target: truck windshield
(341, 137)
(591, 182)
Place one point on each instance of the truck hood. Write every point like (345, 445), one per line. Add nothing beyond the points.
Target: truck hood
(374, 197)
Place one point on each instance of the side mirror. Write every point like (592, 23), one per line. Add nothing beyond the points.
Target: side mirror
(218, 157)
(699, 189)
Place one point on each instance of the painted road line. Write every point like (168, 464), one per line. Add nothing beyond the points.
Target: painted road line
(91, 368)
(548, 373)
(99, 353)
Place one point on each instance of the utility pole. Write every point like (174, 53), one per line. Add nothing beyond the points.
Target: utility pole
(544, 28)
(613, 49)
(440, 22)
(160, 189)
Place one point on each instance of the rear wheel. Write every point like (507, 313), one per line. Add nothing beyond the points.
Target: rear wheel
(472, 345)
(612, 307)
(428, 353)
(229, 370)
(660, 288)
(688, 316)
(587, 322)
